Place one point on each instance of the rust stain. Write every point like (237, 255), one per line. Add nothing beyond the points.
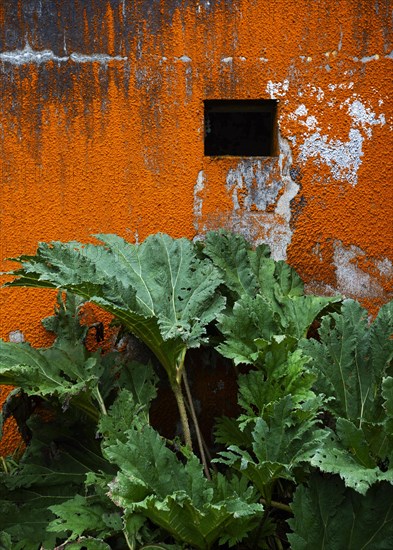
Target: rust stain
(102, 131)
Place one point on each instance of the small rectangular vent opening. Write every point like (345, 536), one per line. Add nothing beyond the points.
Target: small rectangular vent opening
(241, 128)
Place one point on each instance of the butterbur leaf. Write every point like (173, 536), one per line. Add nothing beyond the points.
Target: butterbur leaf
(160, 290)
(341, 360)
(297, 313)
(230, 253)
(52, 470)
(243, 328)
(131, 406)
(228, 431)
(5, 541)
(83, 515)
(352, 361)
(381, 341)
(68, 373)
(247, 271)
(65, 322)
(256, 321)
(352, 465)
(283, 373)
(329, 516)
(171, 284)
(282, 442)
(23, 525)
(176, 497)
(353, 438)
(288, 281)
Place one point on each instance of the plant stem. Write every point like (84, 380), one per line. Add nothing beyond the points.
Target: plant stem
(176, 388)
(5, 467)
(278, 505)
(101, 402)
(196, 424)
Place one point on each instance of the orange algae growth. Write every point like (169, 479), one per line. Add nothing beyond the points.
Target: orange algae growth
(114, 143)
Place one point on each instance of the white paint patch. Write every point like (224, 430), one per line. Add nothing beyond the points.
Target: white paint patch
(301, 111)
(255, 184)
(184, 59)
(277, 89)
(368, 58)
(260, 183)
(342, 86)
(311, 122)
(342, 157)
(351, 280)
(28, 55)
(283, 207)
(16, 336)
(256, 181)
(102, 58)
(198, 201)
(363, 116)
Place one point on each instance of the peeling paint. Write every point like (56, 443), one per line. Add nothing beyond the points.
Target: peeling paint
(198, 202)
(277, 89)
(351, 280)
(184, 59)
(28, 55)
(258, 179)
(261, 191)
(16, 336)
(364, 117)
(96, 58)
(342, 157)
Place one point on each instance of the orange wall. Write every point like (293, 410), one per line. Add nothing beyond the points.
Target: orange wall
(102, 131)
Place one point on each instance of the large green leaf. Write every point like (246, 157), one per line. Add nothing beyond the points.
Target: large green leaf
(284, 373)
(52, 470)
(248, 271)
(351, 359)
(327, 516)
(82, 515)
(153, 482)
(254, 321)
(136, 389)
(350, 459)
(230, 253)
(269, 293)
(159, 289)
(286, 439)
(67, 373)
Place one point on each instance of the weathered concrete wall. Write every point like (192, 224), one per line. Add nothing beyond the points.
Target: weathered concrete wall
(102, 131)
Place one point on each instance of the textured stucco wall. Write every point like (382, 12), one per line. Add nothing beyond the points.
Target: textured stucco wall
(102, 131)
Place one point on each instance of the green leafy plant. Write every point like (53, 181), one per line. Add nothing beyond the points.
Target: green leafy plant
(159, 290)
(353, 362)
(306, 461)
(329, 515)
